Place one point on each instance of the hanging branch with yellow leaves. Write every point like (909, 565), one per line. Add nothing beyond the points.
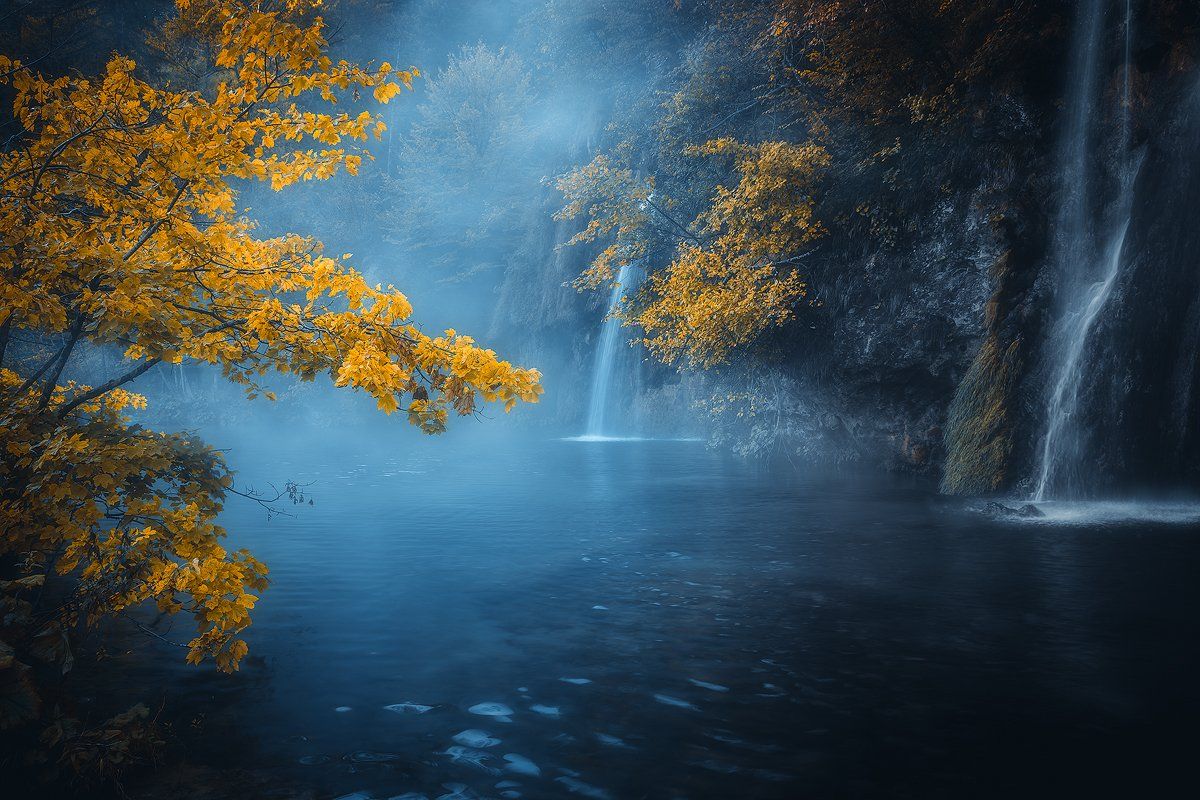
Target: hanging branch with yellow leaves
(119, 226)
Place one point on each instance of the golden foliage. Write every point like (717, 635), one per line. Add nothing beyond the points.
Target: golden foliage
(733, 274)
(723, 293)
(617, 205)
(120, 225)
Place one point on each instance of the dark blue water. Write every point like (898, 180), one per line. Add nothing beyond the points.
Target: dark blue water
(732, 631)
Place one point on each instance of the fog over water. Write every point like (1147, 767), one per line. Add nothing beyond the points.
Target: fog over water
(607, 594)
(656, 619)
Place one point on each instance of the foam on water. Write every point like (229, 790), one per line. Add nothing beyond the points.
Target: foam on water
(597, 438)
(1114, 512)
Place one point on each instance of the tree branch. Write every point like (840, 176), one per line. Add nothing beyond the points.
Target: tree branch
(63, 357)
(105, 388)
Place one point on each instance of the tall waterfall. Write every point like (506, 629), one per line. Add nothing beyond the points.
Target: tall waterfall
(1089, 252)
(606, 356)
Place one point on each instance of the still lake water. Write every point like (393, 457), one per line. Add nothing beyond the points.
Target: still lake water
(667, 622)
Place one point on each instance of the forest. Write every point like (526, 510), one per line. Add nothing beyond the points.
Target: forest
(681, 399)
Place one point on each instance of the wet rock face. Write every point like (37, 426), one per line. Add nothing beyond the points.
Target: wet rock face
(903, 338)
(988, 421)
(1142, 388)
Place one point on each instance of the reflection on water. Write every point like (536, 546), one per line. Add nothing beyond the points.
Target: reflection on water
(653, 620)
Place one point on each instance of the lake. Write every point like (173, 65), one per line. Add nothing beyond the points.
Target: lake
(652, 619)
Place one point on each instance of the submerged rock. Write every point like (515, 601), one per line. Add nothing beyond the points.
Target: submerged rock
(470, 757)
(475, 738)
(499, 711)
(545, 711)
(408, 707)
(521, 765)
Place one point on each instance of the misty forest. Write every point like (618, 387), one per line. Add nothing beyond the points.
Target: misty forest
(609, 399)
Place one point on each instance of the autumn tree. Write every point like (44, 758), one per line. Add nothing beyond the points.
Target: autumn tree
(732, 271)
(120, 227)
(724, 195)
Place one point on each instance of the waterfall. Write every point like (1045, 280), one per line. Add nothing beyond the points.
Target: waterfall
(606, 356)
(1126, 85)
(1088, 253)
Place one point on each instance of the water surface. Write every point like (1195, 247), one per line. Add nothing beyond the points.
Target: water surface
(666, 622)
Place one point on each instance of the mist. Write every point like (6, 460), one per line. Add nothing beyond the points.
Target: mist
(414, 399)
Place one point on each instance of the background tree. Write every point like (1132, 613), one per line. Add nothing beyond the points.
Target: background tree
(464, 168)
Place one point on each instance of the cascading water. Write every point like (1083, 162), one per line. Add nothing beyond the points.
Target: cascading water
(1084, 243)
(606, 356)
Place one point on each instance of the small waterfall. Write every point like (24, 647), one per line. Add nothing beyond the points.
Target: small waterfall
(606, 357)
(1063, 447)
(1089, 253)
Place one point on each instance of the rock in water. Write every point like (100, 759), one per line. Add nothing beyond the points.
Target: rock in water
(585, 789)
(666, 699)
(472, 758)
(475, 738)
(1027, 511)
(499, 711)
(408, 708)
(521, 765)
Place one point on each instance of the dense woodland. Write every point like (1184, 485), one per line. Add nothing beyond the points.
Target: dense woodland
(840, 217)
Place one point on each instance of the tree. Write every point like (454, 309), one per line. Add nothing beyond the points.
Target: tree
(732, 273)
(120, 227)
(719, 199)
(465, 165)
(737, 278)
